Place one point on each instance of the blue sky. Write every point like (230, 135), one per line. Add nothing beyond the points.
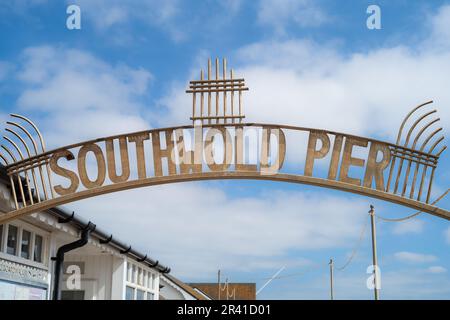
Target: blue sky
(307, 63)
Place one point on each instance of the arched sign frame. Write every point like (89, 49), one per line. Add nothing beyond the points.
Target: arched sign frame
(44, 160)
(403, 175)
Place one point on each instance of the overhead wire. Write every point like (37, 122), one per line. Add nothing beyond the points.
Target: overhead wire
(414, 214)
(356, 248)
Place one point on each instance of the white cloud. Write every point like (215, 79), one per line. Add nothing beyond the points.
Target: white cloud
(196, 229)
(408, 226)
(440, 28)
(82, 96)
(412, 257)
(399, 284)
(353, 94)
(112, 13)
(447, 235)
(278, 14)
(436, 269)
(305, 83)
(413, 284)
(231, 5)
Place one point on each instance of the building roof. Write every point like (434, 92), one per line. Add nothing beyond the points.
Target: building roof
(65, 216)
(243, 291)
(185, 287)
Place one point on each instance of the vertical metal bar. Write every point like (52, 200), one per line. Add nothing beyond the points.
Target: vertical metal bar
(209, 93)
(41, 139)
(434, 168)
(218, 284)
(232, 95)
(194, 95)
(430, 185)
(399, 172)
(413, 185)
(331, 279)
(35, 152)
(18, 175)
(22, 193)
(13, 188)
(424, 128)
(29, 188)
(201, 96)
(224, 65)
(217, 93)
(405, 145)
(422, 180)
(374, 250)
(25, 171)
(405, 183)
(226, 287)
(240, 106)
(41, 174)
(33, 173)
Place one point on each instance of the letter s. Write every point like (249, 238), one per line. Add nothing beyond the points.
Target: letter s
(74, 181)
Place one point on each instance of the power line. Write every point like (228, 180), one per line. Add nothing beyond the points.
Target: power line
(356, 248)
(300, 273)
(414, 214)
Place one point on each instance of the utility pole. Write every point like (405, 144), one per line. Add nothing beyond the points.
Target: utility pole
(374, 251)
(331, 279)
(218, 284)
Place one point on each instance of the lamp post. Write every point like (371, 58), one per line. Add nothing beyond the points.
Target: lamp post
(374, 250)
(331, 279)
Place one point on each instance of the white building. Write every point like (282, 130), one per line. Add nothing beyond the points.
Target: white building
(102, 267)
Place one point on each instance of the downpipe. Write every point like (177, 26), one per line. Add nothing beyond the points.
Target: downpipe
(59, 259)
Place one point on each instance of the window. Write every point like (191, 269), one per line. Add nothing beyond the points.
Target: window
(140, 295)
(150, 281)
(140, 277)
(133, 273)
(145, 279)
(140, 283)
(25, 244)
(38, 245)
(153, 282)
(22, 242)
(129, 279)
(129, 294)
(11, 247)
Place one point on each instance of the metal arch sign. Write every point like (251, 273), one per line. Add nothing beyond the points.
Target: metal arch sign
(215, 146)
